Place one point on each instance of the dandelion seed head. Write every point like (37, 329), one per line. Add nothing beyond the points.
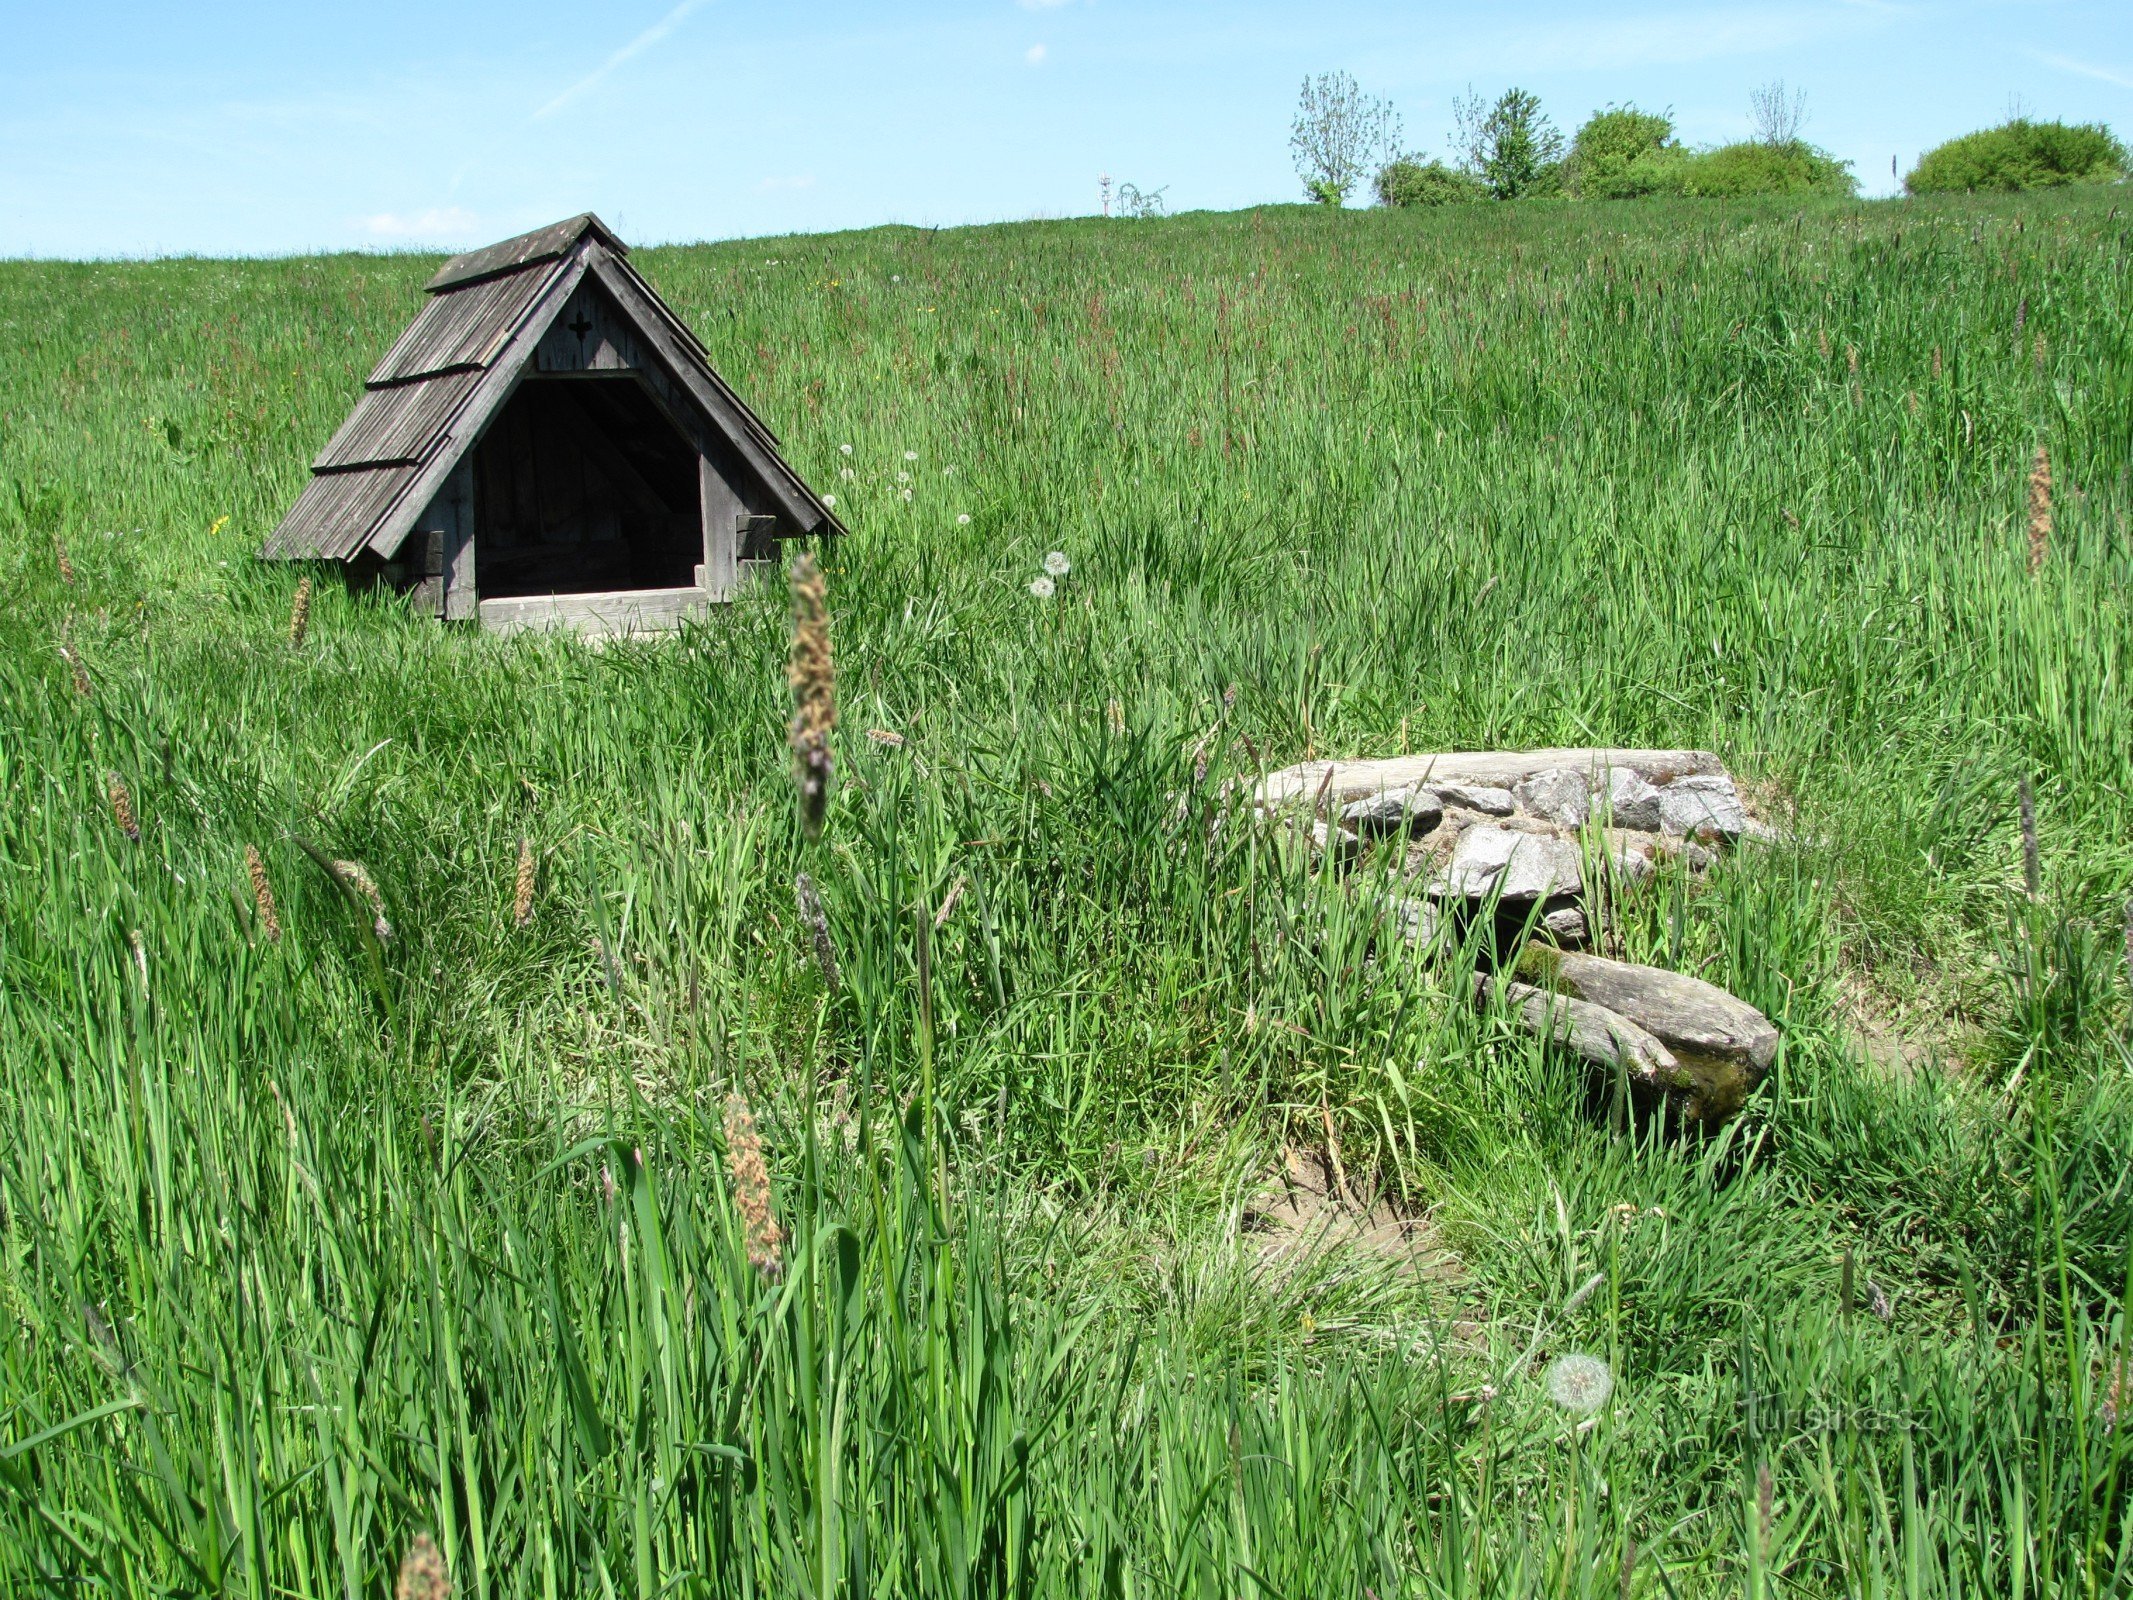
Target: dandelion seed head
(830, 500)
(907, 494)
(1042, 588)
(1580, 1384)
(962, 519)
(910, 455)
(1057, 564)
(844, 449)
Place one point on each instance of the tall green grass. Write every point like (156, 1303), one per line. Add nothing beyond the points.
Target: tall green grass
(312, 1244)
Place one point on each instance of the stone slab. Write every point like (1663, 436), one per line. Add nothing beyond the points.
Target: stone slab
(1495, 769)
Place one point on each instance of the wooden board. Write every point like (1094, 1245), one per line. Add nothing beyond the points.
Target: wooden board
(591, 334)
(608, 611)
(722, 512)
(488, 397)
(542, 244)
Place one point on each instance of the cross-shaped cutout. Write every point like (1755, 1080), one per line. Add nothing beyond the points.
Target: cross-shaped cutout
(581, 327)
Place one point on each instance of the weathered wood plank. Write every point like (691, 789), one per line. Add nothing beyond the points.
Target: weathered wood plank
(722, 511)
(608, 611)
(488, 397)
(748, 436)
(590, 335)
(542, 244)
(461, 598)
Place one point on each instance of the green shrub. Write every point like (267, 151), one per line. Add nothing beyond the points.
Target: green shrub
(2020, 155)
(1621, 152)
(1408, 182)
(1748, 168)
(1512, 144)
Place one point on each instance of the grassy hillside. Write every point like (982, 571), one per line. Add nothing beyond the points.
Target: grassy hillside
(314, 1242)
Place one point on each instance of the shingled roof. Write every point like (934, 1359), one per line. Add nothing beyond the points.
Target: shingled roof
(447, 375)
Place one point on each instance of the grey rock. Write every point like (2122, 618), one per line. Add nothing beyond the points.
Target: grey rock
(1342, 781)
(1416, 920)
(1703, 804)
(1560, 795)
(1722, 1045)
(1602, 1037)
(1634, 859)
(1394, 811)
(1632, 802)
(1335, 844)
(1490, 802)
(1516, 866)
(1565, 925)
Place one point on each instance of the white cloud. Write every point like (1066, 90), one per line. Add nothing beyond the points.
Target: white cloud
(1034, 55)
(799, 180)
(435, 224)
(2084, 69)
(636, 47)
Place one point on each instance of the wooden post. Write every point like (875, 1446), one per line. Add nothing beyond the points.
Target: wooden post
(462, 601)
(721, 511)
(757, 537)
(443, 541)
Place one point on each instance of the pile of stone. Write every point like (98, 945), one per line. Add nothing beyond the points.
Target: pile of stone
(1507, 833)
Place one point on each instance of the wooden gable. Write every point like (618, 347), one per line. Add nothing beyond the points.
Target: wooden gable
(549, 413)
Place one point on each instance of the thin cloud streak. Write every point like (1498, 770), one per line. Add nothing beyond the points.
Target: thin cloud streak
(2083, 69)
(636, 47)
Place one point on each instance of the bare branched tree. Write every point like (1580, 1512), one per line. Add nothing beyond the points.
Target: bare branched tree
(1340, 135)
(1776, 113)
(1470, 116)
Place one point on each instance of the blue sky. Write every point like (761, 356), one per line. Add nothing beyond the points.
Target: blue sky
(246, 127)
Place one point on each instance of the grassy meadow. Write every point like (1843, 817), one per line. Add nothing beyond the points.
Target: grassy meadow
(310, 1243)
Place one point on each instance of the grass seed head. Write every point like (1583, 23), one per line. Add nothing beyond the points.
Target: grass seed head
(352, 874)
(813, 674)
(522, 894)
(751, 1190)
(300, 615)
(72, 658)
(1936, 363)
(422, 1572)
(255, 867)
(2040, 508)
(66, 566)
(2032, 858)
(816, 921)
(122, 808)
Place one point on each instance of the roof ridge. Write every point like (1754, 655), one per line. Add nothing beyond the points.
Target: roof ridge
(522, 250)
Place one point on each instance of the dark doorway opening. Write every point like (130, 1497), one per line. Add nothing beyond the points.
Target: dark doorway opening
(583, 484)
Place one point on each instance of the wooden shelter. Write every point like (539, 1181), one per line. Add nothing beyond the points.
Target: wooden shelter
(547, 445)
